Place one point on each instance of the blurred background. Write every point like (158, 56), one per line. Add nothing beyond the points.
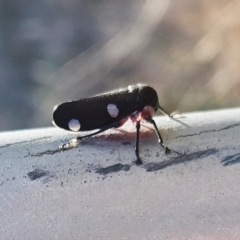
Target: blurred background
(57, 50)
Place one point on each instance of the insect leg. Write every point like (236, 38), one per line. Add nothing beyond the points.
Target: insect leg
(138, 162)
(160, 140)
(113, 125)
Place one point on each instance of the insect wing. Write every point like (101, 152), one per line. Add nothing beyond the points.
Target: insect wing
(98, 111)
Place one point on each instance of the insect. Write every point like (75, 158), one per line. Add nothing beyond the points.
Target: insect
(111, 110)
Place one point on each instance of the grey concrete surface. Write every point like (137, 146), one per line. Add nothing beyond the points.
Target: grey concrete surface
(95, 191)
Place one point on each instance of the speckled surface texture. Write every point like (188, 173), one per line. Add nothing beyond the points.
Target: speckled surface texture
(95, 191)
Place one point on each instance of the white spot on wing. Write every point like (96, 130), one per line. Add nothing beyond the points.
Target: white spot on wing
(74, 125)
(130, 88)
(112, 110)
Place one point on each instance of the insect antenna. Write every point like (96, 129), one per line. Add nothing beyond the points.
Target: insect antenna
(172, 115)
(165, 113)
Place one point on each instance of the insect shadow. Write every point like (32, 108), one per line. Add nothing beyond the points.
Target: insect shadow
(113, 168)
(156, 166)
(231, 159)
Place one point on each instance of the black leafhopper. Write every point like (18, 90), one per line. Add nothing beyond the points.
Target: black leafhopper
(111, 110)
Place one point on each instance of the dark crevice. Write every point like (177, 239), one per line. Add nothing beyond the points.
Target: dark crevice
(27, 141)
(207, 131)
(48, 152)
